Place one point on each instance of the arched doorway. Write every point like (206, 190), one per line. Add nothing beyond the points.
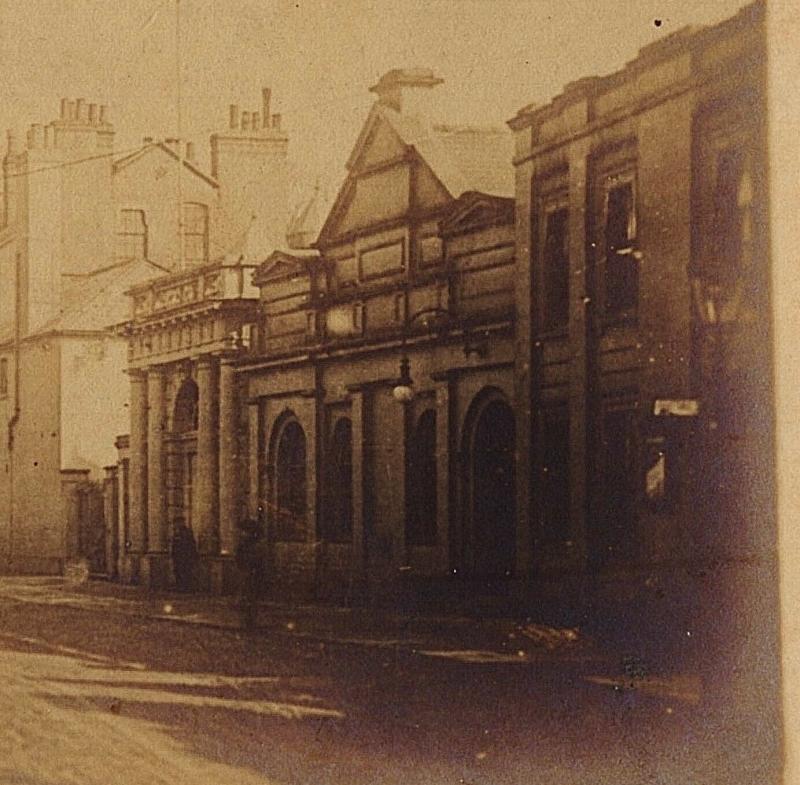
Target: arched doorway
(490, 488)
(288, 494)
(181, 452)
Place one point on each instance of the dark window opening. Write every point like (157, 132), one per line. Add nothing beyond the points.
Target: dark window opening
(727, 231)
(622, 266)
(555, 488)
(555, 304)
(290, 483)
(185, 416)
(339, 517)
(422, 482)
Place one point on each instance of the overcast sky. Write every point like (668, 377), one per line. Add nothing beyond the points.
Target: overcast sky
(319, 57)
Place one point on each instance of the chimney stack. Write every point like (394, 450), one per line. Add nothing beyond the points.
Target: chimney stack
(245, 121)
(406, 89)
(64, 109)
(234, 117)
(266, 97)
(254, 120)
(92, 114)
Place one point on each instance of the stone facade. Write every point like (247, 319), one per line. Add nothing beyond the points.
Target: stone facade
(81, 223)
(641, 216)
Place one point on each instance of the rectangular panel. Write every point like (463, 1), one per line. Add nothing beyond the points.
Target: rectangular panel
(383, 261)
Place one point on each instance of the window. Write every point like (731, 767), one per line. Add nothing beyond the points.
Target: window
(3, 377)
(185, 413)
(555, 488)
(195, 233)
(131, 235)
(339, 515)
(622, 264)
(422, 499)
(290, 482)
(732, 218)
(555, 301)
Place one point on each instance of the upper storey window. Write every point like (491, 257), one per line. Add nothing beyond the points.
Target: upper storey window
(555, 268)
(732, 225)
(131, 235)
(195, 233)
(621, 259)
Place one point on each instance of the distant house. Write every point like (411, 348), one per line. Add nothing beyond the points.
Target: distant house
(81, 224)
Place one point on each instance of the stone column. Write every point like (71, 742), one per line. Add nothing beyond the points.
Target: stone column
(205, 499)
(229, 459)
(137, 477)
(110, 518)
(157, 541)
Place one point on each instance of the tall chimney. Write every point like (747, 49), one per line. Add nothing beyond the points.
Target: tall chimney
(266, 96)
(234, 117)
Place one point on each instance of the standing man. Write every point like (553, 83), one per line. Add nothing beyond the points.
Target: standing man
(250, 561)
(184, 555)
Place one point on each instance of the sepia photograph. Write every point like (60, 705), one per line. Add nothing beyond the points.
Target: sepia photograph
(399, 392)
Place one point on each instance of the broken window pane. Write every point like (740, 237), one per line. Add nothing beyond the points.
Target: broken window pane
(622, 265)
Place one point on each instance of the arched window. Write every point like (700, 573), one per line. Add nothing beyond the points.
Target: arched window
(422, 481)
(290, 482)
(339, 513)
(195, 233)
(184, 417)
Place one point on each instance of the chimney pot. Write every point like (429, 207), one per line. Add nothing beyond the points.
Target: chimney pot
(245, 121)
(276, 122)
(266, 95)
(13, 142)
(234, 116)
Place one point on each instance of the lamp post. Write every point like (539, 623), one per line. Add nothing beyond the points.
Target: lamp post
(403, 390)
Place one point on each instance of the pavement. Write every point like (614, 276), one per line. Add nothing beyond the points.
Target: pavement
(453, 636)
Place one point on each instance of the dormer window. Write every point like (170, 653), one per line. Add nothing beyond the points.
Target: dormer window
(131, 235)
(195, 233)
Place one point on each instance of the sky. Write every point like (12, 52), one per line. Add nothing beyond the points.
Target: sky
(318, 56)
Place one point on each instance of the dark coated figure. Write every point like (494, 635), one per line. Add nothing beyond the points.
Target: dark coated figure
(250, 561)
(184, 555)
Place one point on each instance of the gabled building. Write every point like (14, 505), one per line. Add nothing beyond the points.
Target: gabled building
(81, 223)
(380, 380)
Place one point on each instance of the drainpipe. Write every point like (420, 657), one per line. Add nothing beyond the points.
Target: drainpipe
(12, 423)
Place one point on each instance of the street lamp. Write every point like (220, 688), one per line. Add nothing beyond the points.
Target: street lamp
(403, 390)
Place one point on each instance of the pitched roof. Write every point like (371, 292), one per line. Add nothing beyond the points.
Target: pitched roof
(97, 301)
(148, 147)
(464, 158)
